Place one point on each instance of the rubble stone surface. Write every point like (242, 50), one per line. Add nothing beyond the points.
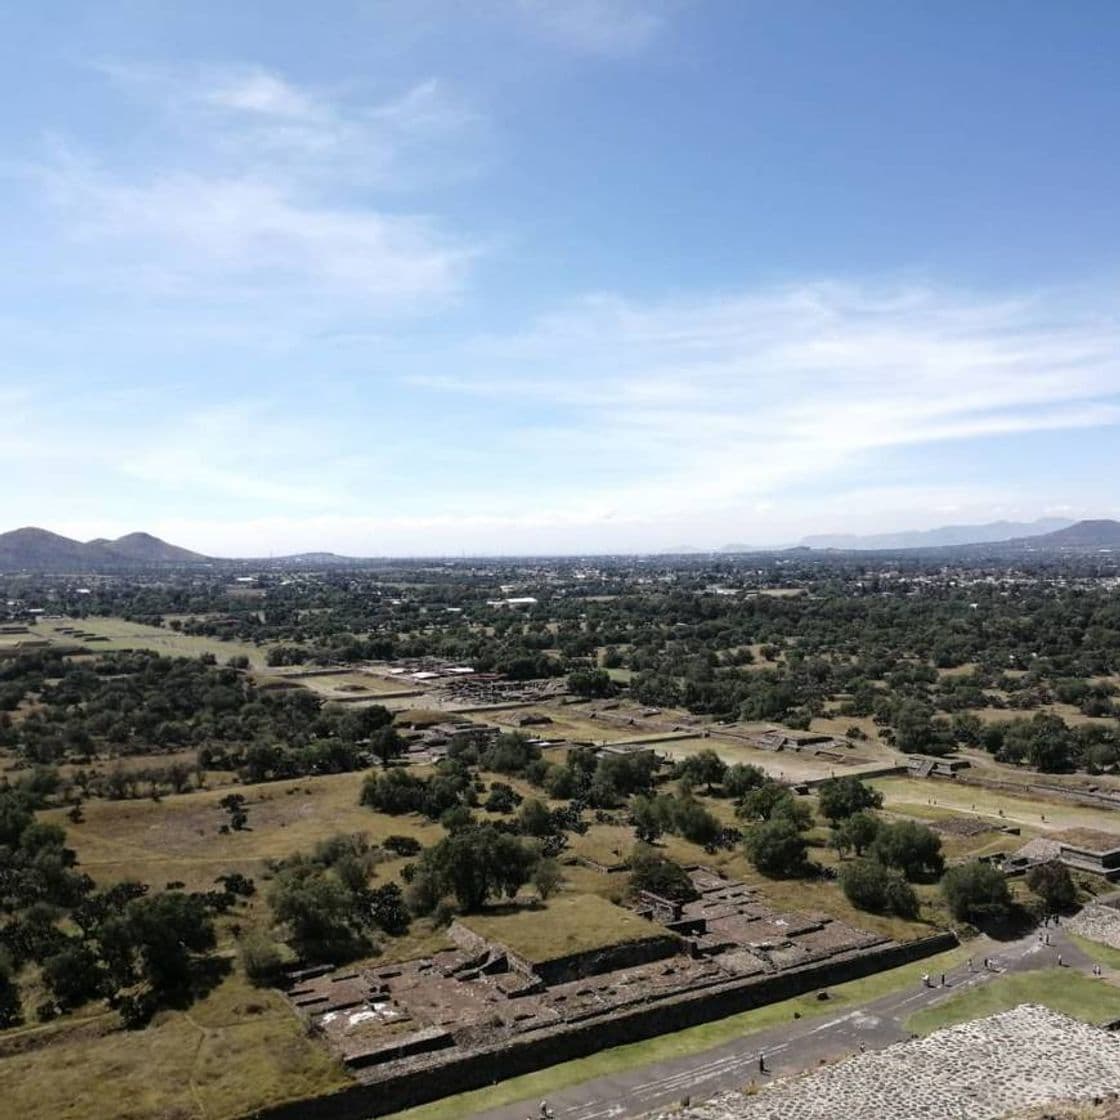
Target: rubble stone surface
(981, 1070)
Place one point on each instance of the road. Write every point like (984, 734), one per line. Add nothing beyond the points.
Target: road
(798, 1046)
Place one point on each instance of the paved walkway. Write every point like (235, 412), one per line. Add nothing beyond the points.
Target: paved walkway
(794, 1048)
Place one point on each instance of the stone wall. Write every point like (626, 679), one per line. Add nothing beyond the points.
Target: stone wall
(418, 1081)
(593, 962)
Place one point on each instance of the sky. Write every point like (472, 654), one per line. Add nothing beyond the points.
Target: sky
(411, 277)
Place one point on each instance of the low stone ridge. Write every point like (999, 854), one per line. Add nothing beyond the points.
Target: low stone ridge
(981, 1070)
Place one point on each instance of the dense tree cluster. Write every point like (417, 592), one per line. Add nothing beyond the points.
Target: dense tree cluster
(325, 902)
(142, 703)
(121, 943)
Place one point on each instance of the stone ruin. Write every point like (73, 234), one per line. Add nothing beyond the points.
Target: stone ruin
(382, 1018)
(980, 1070)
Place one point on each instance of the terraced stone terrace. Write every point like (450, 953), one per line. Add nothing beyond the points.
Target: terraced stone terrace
(981, 1070)
(577, 961)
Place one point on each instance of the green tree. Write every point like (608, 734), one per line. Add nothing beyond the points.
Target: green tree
(692, 821)
(976, 892)
(1054, 885)
(260, 956)
(386, 744)
(856, 832)
(868, 885)
(741, 778)
(477, 863)
(912, 848)
(649, 816)
(547, 878)
(591, 682)
(167, 931)
(777, 848)
(841, 797)
(74, 976)
(650, 871)
(319, 911)
(705, 767)
(535, 819)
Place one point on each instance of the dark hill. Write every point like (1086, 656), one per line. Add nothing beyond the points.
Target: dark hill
(146, 549)
(1082, 534)
(40, 550)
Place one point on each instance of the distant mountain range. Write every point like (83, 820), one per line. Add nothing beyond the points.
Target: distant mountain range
(947, 535)
(1081, 535)
(40, 550)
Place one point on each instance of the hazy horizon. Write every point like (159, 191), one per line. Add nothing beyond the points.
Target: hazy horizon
(1038, 525)
(556, 278)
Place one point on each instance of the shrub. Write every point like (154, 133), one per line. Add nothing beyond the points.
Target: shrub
(650, 871)
(401, 845)
(260, 956)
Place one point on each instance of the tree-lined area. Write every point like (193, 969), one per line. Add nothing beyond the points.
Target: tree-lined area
(1022, 661)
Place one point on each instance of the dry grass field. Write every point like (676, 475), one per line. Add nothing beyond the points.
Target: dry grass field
(567, 923)
(177, 839)
(237, 1050)
(118, 634)
(924, 797)
(784, 765)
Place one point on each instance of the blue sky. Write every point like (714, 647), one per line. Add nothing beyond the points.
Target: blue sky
(556, 275)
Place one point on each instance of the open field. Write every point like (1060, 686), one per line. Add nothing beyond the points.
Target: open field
(568, 923)
(915, 795)
(1072, 715)
(349, 685)
(785, 765)
(178, 838)
(1061, 989)
(565, 723)
(119, 634)
(237, 1050)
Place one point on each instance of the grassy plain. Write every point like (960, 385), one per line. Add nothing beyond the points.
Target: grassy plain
(1062, 989)
(564, 723)
(178, 838)
(119, 634)
(567, 923)
(913, 796)
(237, 1050)
(788, 765)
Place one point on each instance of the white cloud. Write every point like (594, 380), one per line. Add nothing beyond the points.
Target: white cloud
(262, 192)
(608, 27)
(714, 404)
(257, 91)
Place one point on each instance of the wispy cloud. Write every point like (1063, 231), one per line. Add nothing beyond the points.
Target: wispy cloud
(264, 191)
(605, 27)
(713, 403)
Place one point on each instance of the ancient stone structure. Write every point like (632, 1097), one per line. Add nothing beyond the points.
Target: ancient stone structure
(463, 1017)
(980, 1070)
(1099, 921)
